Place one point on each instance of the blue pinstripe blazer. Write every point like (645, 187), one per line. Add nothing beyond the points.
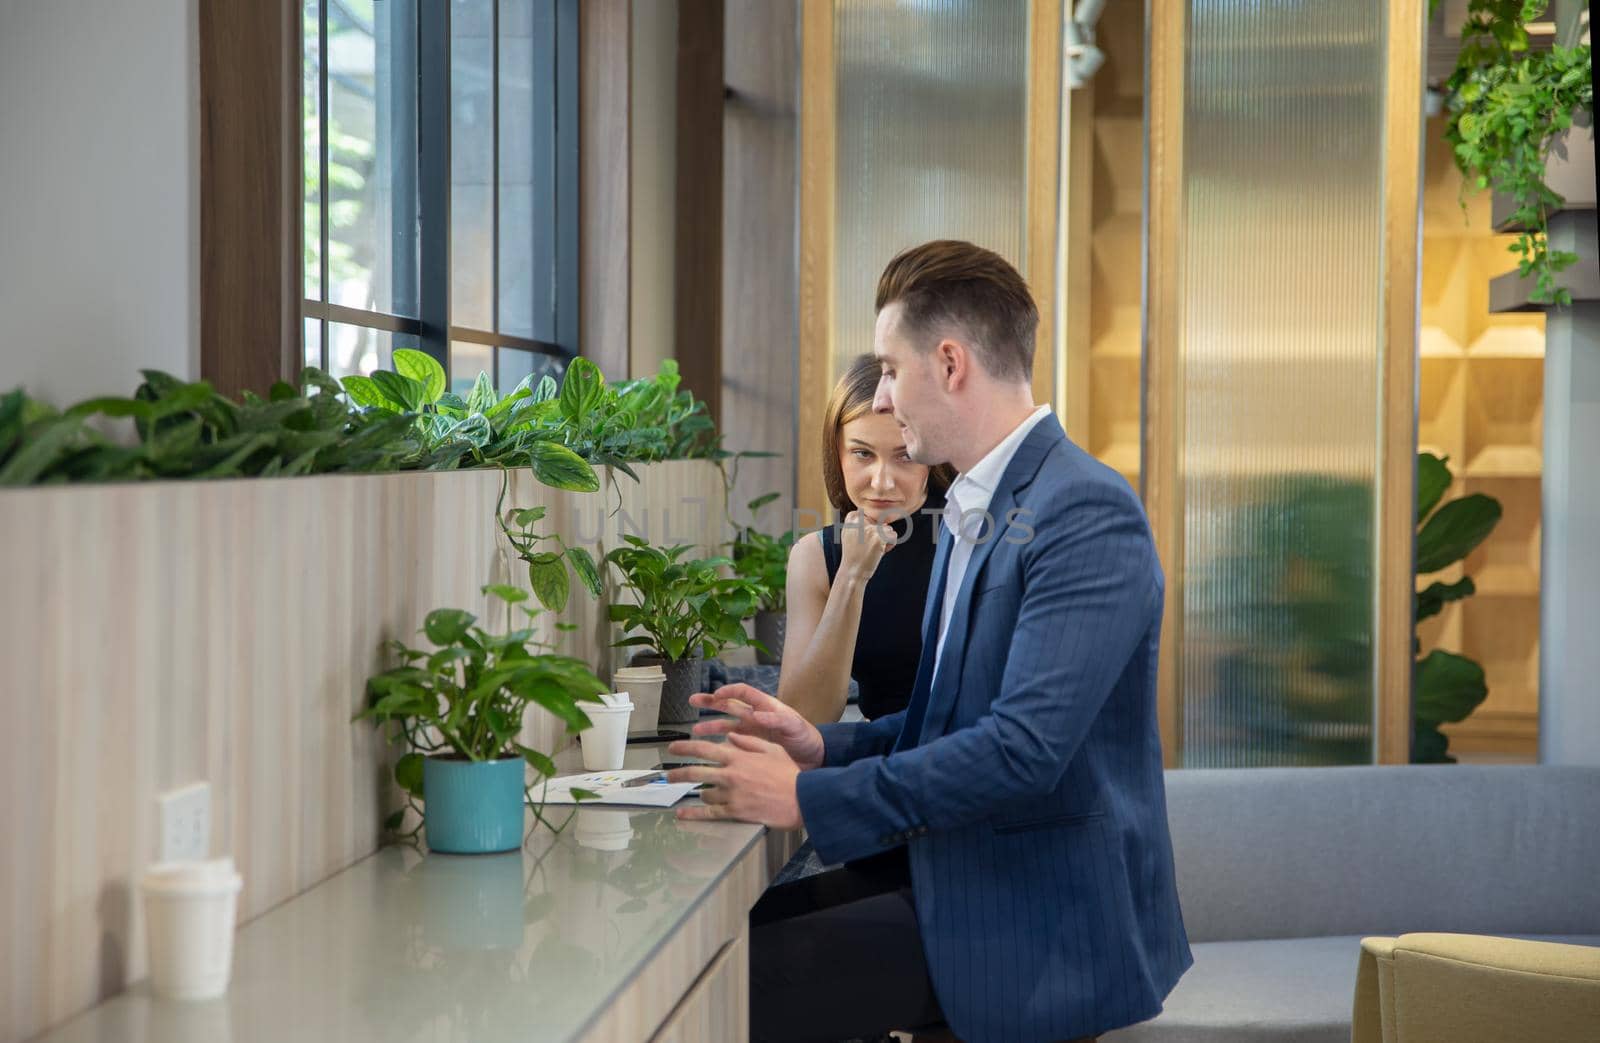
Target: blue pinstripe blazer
(1026, 777)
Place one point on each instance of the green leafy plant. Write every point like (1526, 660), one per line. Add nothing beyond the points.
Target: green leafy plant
(547, 569)
(392, 420)
(1447, 687)
(685, 606)
(482, 430)
(764, 559)
(187, 430)
(627, 422)
(467, 696)
(1508, 106)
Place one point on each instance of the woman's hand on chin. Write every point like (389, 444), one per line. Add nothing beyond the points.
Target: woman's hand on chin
(863, 541)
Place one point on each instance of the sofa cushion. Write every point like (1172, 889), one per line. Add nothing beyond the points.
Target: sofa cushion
(1297, 990)
(1308, 852)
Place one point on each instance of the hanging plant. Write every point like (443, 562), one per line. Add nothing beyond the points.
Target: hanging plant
(1508, 107)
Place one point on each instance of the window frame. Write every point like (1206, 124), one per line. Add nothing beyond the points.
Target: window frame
(434, 326)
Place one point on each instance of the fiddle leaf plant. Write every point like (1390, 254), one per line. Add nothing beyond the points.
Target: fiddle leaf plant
(467, 695)
(1446, 686)
(1508, 106)
(684, 606)
(764, 559)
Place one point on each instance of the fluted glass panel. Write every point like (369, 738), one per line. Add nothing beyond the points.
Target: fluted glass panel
(931, 100)
(1282, 266)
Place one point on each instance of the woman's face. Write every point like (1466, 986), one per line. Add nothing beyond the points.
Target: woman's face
(878, 475)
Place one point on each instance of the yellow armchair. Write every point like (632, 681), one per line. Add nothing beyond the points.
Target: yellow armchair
(1463, 988)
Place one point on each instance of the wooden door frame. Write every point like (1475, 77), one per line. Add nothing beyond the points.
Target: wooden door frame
(1162, 421)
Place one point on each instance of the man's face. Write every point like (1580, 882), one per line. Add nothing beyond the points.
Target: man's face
(908, 389)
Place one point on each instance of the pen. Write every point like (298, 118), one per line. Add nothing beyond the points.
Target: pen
(642, 780)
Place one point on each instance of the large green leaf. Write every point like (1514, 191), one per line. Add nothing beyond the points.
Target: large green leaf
(547, 574)
(1448, 687)
(482, 398)
(588, 573)
(446, 626)
(505, 592)
(408, 773)
(422, 368)
(1454, 530)
(364, 392)
(1429, 745)
(560, 468)
(1433, 478)
(40, 449)
(403, 392)
(538, 761)
(582, 390)
(1433, 600)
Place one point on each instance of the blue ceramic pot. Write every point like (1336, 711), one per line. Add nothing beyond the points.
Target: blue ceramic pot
(472, 807)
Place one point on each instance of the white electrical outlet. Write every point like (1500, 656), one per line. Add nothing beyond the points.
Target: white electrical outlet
(185, 823)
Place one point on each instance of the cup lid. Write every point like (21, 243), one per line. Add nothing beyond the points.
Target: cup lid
(616, 700)
(637, 673)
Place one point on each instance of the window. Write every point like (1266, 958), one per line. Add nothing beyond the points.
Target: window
(468, 251)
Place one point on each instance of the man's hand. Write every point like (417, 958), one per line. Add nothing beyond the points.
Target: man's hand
(752, 780)
(759, 715)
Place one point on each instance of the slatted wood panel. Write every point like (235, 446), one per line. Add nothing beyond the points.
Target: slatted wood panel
(157, 634)
(759, 247)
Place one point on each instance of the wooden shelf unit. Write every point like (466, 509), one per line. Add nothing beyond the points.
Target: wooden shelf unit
(1481, 403)
(1116, 209)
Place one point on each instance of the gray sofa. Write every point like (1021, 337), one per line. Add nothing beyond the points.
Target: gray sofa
(1282, 871)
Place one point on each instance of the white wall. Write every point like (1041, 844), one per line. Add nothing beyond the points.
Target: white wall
(99, 194)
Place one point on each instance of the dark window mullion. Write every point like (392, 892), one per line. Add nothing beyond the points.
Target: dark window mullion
(494, 188)
(376, 320)
(472, 335)
(324, 126)
(433, 175)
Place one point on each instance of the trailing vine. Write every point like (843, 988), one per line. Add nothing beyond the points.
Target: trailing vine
(1508, 106)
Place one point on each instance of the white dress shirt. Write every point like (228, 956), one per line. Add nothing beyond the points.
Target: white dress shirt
(968, 500)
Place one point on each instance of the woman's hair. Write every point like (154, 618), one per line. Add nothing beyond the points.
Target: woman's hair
(852, 398)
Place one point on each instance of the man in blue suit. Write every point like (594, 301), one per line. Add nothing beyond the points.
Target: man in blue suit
(1035, 899)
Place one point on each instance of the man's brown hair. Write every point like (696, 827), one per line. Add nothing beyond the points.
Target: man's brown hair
(852, 397)
(952, 283)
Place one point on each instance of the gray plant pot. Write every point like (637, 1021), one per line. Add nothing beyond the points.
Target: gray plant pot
(770, 630)
(684, 678)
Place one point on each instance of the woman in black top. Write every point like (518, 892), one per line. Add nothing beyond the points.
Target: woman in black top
(856, 589)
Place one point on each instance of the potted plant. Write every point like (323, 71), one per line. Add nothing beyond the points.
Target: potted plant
(685, 610)
(764, 560)
(459, 709)
(1509, 106)
(1446, 687)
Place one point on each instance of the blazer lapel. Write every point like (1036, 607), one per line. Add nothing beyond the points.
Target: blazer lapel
(917, 708)
(1019, 474)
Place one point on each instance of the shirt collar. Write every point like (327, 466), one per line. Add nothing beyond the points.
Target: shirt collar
(979, 481)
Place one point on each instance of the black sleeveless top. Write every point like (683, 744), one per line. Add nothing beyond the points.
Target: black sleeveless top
(889, 638)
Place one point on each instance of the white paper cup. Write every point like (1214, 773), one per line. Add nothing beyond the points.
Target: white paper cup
(643, 685)
(189, 911)
(606, 739)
